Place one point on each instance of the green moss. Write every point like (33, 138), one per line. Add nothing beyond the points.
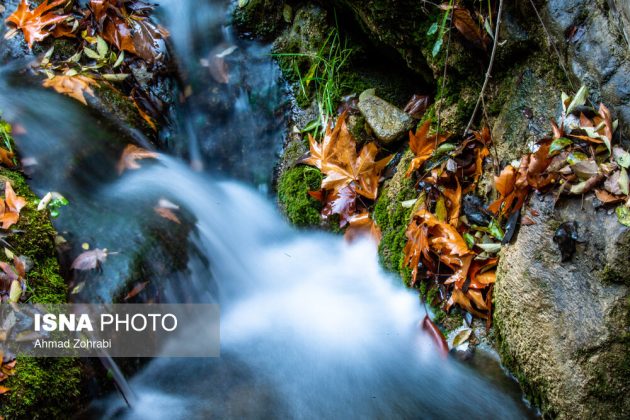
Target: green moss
(41, 388)
(293, 186)
(260, 19)
(120, 108)
(393, 219)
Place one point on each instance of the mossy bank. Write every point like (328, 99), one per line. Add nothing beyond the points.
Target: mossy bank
(40, 388)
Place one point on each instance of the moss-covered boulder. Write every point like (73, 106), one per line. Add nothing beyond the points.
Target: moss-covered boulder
(563, 326)
(293, 186)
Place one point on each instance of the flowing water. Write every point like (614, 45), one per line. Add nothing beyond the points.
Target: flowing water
(311, 326)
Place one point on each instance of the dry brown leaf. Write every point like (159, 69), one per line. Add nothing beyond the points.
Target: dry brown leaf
(423, 146)
(167, 214)
(13, 202)
(137, 289)
(361, 225)
(130, 156)
(73, 86)
(417, 106)
(608, 198)
(89, 260)
(6, 158)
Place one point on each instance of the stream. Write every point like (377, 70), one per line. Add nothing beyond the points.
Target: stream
(311, 327)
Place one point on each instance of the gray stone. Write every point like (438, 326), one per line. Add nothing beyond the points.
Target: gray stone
(563, 326)
(598, 53)
(388, 122)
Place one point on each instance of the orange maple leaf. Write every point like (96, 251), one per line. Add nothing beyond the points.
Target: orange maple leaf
(75, 86)
(33, 22)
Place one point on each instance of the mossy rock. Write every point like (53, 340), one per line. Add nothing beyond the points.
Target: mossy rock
(393, 218)
(261, 19)
(293, 186)
(41, 388)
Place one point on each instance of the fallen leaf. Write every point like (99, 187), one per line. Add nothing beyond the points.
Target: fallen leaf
(362, 225)
(13, 202)
(131, 155)
(608, 198)
(89, 260)
(137, 289)
(167, 214)
(436, 335)
(422, 146)
(417, 106)
(15, 293)
(73, 86)
(4, 390)
(33, 23)
(462, 337)
(6, 158)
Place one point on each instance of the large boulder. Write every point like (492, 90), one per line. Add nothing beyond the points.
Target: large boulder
(563, 326)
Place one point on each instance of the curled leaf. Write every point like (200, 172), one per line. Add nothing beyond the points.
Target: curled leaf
(131, 155)
(89, 260)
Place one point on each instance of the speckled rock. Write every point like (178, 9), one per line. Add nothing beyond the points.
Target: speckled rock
(563, 326)
(388, 122)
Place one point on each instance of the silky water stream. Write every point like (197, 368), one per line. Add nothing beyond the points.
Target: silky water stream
(311, 327)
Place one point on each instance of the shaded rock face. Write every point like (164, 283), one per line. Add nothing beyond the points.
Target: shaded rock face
(597, 48)
(386, 121)
(563, 326)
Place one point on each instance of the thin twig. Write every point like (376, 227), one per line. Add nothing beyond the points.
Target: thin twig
(439, 106)
(552, 43)
(489, 71)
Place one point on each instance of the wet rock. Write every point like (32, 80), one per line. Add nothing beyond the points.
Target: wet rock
(261, 19)
(388, 122)
(566, 237)
(563, 325)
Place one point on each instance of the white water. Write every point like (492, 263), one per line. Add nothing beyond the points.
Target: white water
(311, 327)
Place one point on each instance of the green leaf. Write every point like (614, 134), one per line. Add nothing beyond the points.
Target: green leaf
(623, 215)
(437, 47)
(407, 204)
(15, 292)
(490, 248)
(559, 144)
(621, 157)
(71, 72)
(314, 124)
(578, 100)
(76, 57)
(486, 26)
(91, 53)
(495, 230)
(115, 77)
(575, 157)
(469, 239)
(120, 59)
(101, 47)
(433, 29)
(440, 209)
(443, 149)
(462, 337)
(47, 56)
